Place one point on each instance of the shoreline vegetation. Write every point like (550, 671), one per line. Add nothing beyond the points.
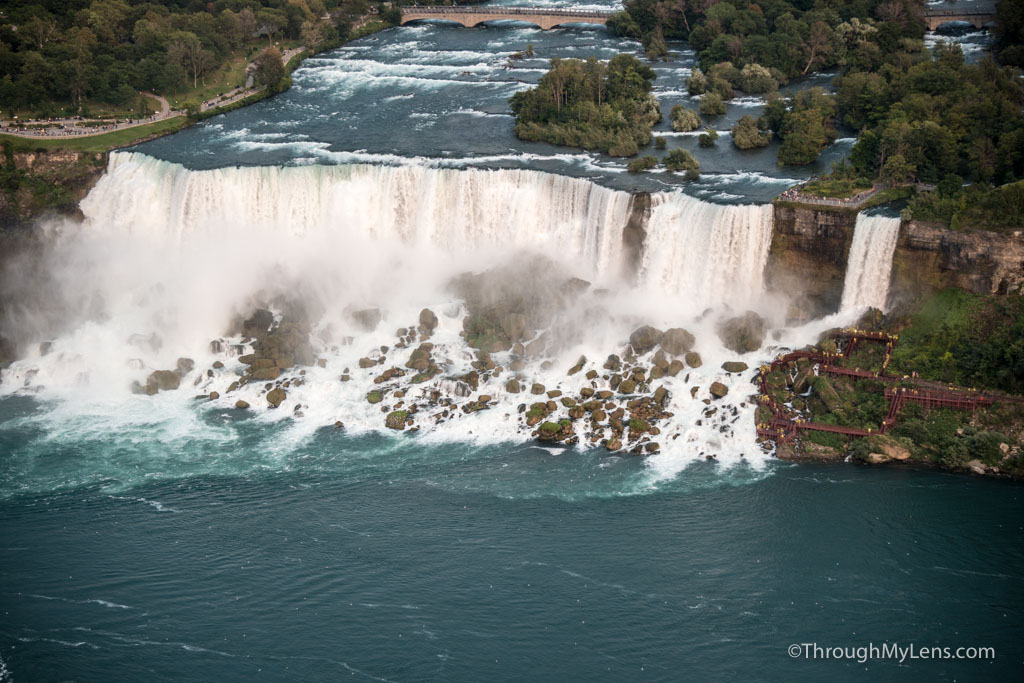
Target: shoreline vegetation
(348, 20)
(70, 164)
(956, 346)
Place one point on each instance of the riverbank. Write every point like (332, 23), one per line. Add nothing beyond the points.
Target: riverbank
(71, 165)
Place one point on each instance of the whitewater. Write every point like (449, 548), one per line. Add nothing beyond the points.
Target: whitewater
(168, 260)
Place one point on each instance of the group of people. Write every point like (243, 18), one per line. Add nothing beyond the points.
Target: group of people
(68, 128)
(793, 194)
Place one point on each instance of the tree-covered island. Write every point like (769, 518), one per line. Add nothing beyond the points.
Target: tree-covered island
(592, 104)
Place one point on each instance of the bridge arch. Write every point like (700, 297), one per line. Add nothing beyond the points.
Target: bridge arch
(940, 17)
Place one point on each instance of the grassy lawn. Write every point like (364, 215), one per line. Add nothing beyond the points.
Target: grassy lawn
(228, 77)
(93, 110)
(97, 143)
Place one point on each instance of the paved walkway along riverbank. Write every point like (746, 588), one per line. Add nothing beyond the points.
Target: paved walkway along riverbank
(77, 127)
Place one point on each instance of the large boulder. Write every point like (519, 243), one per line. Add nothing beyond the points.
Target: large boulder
(162, 380)
(719, 390)
(645, 338)
(367, 318)
(734, 366)
(276, 396)
(419, 360)
(742, 333)
(871, 319)
(395, 420)
(266, 374)
(428, 321)
(677, 341)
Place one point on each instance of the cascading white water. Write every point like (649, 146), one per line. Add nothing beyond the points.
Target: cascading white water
(448, 209)
(168, 257)
(711, 253)
(869, 265)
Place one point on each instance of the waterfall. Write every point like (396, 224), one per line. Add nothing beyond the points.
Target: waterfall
(447, 209)
(869, 264)
(708, 252)
(169, 261)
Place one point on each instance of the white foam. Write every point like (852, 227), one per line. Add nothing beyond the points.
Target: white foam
(178, 253)
(869, 264)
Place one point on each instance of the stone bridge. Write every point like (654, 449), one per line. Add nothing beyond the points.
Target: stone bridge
(545, 18)
(975, 17)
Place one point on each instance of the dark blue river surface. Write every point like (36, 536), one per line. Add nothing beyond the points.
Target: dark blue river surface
(383, 559)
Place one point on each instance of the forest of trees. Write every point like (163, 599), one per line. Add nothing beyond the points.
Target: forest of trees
(57, 56)
(920, 116)
(592, 104)
(795, 38)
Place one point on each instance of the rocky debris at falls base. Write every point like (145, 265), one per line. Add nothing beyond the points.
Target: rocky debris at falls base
(743, 333)
(164, 380)
(619, 401)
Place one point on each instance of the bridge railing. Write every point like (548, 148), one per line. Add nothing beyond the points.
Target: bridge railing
(966, 12)
(554, 11)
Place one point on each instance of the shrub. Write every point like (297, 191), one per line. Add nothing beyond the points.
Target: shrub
(681, 160)
(697, 84)
(659, 142)
(642, 164)
(683, 119)
(722, 88)
(756, 79)
(749, 133)
(725, 71)
(711, 104)
(624, 147)
(708, 138)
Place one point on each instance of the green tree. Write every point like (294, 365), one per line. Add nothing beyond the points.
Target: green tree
(897, 170)
(711, 104)
(803, 138)
(269, 68)
(749, 133)
(683, 119)
(681, 160)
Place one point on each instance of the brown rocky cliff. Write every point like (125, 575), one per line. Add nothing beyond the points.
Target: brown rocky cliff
(810, 247)
(930, 257)
(634, 234)
(807, 258)
(46, 182)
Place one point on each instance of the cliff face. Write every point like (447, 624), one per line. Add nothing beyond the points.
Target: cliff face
(810, 246)
(930, 257)
(44, 182)
(807, 259)
(635, 233)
